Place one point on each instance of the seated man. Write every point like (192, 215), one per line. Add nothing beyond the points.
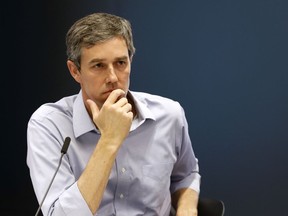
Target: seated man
(130, 152)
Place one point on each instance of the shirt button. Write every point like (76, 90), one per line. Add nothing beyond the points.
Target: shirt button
(121, 196)
(123, 170)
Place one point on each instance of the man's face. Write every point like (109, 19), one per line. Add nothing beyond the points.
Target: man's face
(104, 67)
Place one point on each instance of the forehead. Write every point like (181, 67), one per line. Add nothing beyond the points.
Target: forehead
(113, 47)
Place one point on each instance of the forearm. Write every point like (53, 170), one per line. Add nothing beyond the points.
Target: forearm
(185, 202)
(93, 181)
(113, 120)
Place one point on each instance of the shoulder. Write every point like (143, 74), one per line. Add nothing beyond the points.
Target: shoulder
(153, 98)
(63, 107)
(158, 103)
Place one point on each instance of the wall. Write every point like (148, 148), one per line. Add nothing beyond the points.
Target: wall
(224, 61)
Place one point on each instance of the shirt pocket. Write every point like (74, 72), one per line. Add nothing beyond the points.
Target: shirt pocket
(156, 183)
(159, 172)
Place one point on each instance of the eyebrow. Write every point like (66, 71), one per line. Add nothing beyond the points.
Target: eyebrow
(96, 60)
(122, 58)
(102, 59)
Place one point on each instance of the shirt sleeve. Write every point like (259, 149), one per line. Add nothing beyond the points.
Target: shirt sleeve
(185, 173)
(44, 143)
(71, 203)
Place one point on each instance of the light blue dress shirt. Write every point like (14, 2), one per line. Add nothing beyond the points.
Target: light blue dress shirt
(155, 160)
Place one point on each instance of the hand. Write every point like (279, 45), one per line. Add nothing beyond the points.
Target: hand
(114, 119)
(187, 212)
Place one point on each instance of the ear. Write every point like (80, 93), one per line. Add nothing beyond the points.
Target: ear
(74, 71)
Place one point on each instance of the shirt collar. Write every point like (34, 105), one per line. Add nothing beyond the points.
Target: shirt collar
(82, 123)
(142, 109)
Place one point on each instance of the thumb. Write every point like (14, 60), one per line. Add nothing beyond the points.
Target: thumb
(93, 108)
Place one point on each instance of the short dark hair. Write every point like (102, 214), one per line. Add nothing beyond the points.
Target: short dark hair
(96, 28)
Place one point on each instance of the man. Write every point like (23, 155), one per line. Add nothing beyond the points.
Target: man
(130, 152)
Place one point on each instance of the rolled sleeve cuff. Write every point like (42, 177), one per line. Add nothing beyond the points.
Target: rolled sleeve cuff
(72, 203)
(192, 181)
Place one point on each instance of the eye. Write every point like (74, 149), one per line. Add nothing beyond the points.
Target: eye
(98, 65)
(121, 63)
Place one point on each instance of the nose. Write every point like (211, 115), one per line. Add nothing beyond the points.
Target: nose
(111, 76)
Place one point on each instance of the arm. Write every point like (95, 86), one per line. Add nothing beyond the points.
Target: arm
(185, 184)
(114, 121)
(185, 202)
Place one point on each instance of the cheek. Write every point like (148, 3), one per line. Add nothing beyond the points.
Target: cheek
(124, 81)
(124, 76)
(92, 83)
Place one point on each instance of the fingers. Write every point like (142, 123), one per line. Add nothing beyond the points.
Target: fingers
(122, 102)
(117, 99)
(114, 96)
(126, 107)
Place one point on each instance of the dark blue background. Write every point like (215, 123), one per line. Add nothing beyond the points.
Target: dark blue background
(224, 61)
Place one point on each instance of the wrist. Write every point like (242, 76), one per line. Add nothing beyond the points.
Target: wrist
(109, 143)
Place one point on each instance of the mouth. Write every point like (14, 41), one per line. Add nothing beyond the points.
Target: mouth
(108, 92)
